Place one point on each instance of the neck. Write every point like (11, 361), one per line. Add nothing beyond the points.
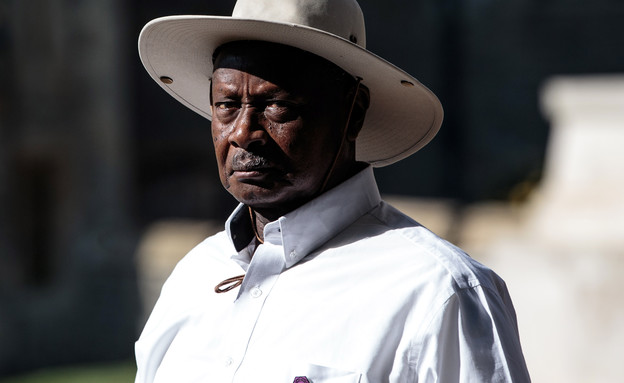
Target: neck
(258, 221)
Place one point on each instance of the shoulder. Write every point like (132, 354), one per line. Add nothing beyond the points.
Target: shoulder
(396, 252)
(408, 243)
(447, 297)
(465, 304)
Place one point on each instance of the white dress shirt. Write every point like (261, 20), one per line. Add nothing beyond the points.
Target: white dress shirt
(344, 289)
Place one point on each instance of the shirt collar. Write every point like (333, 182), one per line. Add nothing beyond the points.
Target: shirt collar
(306, 228)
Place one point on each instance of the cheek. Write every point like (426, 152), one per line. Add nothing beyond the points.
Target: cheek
(285, 137)
(219, 137)
(292, 138)
(315, 148)
(219, 132)
(222, 167)
(221, 145)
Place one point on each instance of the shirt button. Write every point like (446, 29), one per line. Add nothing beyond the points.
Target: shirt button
(293, 254)
(255, 292)
(228, 362)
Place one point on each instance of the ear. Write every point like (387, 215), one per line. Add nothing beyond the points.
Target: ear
(360, 106)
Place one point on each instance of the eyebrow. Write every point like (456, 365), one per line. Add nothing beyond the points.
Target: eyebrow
(265, 91)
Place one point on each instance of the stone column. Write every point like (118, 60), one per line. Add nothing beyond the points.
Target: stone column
(563, 265)
(581, 201)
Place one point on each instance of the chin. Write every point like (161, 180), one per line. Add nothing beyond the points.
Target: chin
(273, 202)
(255, 195)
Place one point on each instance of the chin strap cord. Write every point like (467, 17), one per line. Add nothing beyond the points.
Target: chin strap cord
(344, 136)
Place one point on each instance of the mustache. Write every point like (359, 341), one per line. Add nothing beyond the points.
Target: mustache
(247, 161)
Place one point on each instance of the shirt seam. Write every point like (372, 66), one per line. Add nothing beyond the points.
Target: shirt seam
(473, 281)
(414, 350)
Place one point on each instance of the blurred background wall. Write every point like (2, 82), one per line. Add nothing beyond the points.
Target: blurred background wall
(105, 180)
(67, 230)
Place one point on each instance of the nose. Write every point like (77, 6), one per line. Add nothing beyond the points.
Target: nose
(247, 130)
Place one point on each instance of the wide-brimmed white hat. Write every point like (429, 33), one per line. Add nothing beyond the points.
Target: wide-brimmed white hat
(403, 115)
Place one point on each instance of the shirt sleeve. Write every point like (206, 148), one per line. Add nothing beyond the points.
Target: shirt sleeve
(167, 317)
(157, 335)
(473, 337)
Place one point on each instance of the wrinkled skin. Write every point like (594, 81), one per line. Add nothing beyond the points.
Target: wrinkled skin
(278, 119)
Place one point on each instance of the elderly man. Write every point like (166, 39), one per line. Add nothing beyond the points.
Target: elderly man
(315, 278)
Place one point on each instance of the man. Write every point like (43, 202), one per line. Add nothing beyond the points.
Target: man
(315, 278)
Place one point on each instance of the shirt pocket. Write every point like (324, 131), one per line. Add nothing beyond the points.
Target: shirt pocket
(315, 373)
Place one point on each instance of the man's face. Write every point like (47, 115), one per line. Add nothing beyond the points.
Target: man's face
(277, 123)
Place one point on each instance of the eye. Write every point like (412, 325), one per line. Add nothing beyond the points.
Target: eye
(277, 104)
(226, 105)
(225, 111)
(280, 110)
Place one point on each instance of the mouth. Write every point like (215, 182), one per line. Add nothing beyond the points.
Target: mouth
(262, 177)
(251, 172)
(249, 167)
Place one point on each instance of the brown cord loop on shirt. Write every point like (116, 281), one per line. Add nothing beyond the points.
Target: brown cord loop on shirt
(233, 283)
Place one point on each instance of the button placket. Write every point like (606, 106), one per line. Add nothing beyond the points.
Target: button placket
(263, 271)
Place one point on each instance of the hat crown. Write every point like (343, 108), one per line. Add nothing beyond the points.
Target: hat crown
(342, 18)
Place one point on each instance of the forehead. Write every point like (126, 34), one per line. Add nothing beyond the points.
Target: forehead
(279, 64)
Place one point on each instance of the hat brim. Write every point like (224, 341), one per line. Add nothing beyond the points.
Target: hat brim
(403, 115)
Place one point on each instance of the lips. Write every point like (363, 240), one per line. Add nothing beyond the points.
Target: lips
(249, 167)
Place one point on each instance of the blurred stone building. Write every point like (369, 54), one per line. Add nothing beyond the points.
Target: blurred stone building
(93, 153)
